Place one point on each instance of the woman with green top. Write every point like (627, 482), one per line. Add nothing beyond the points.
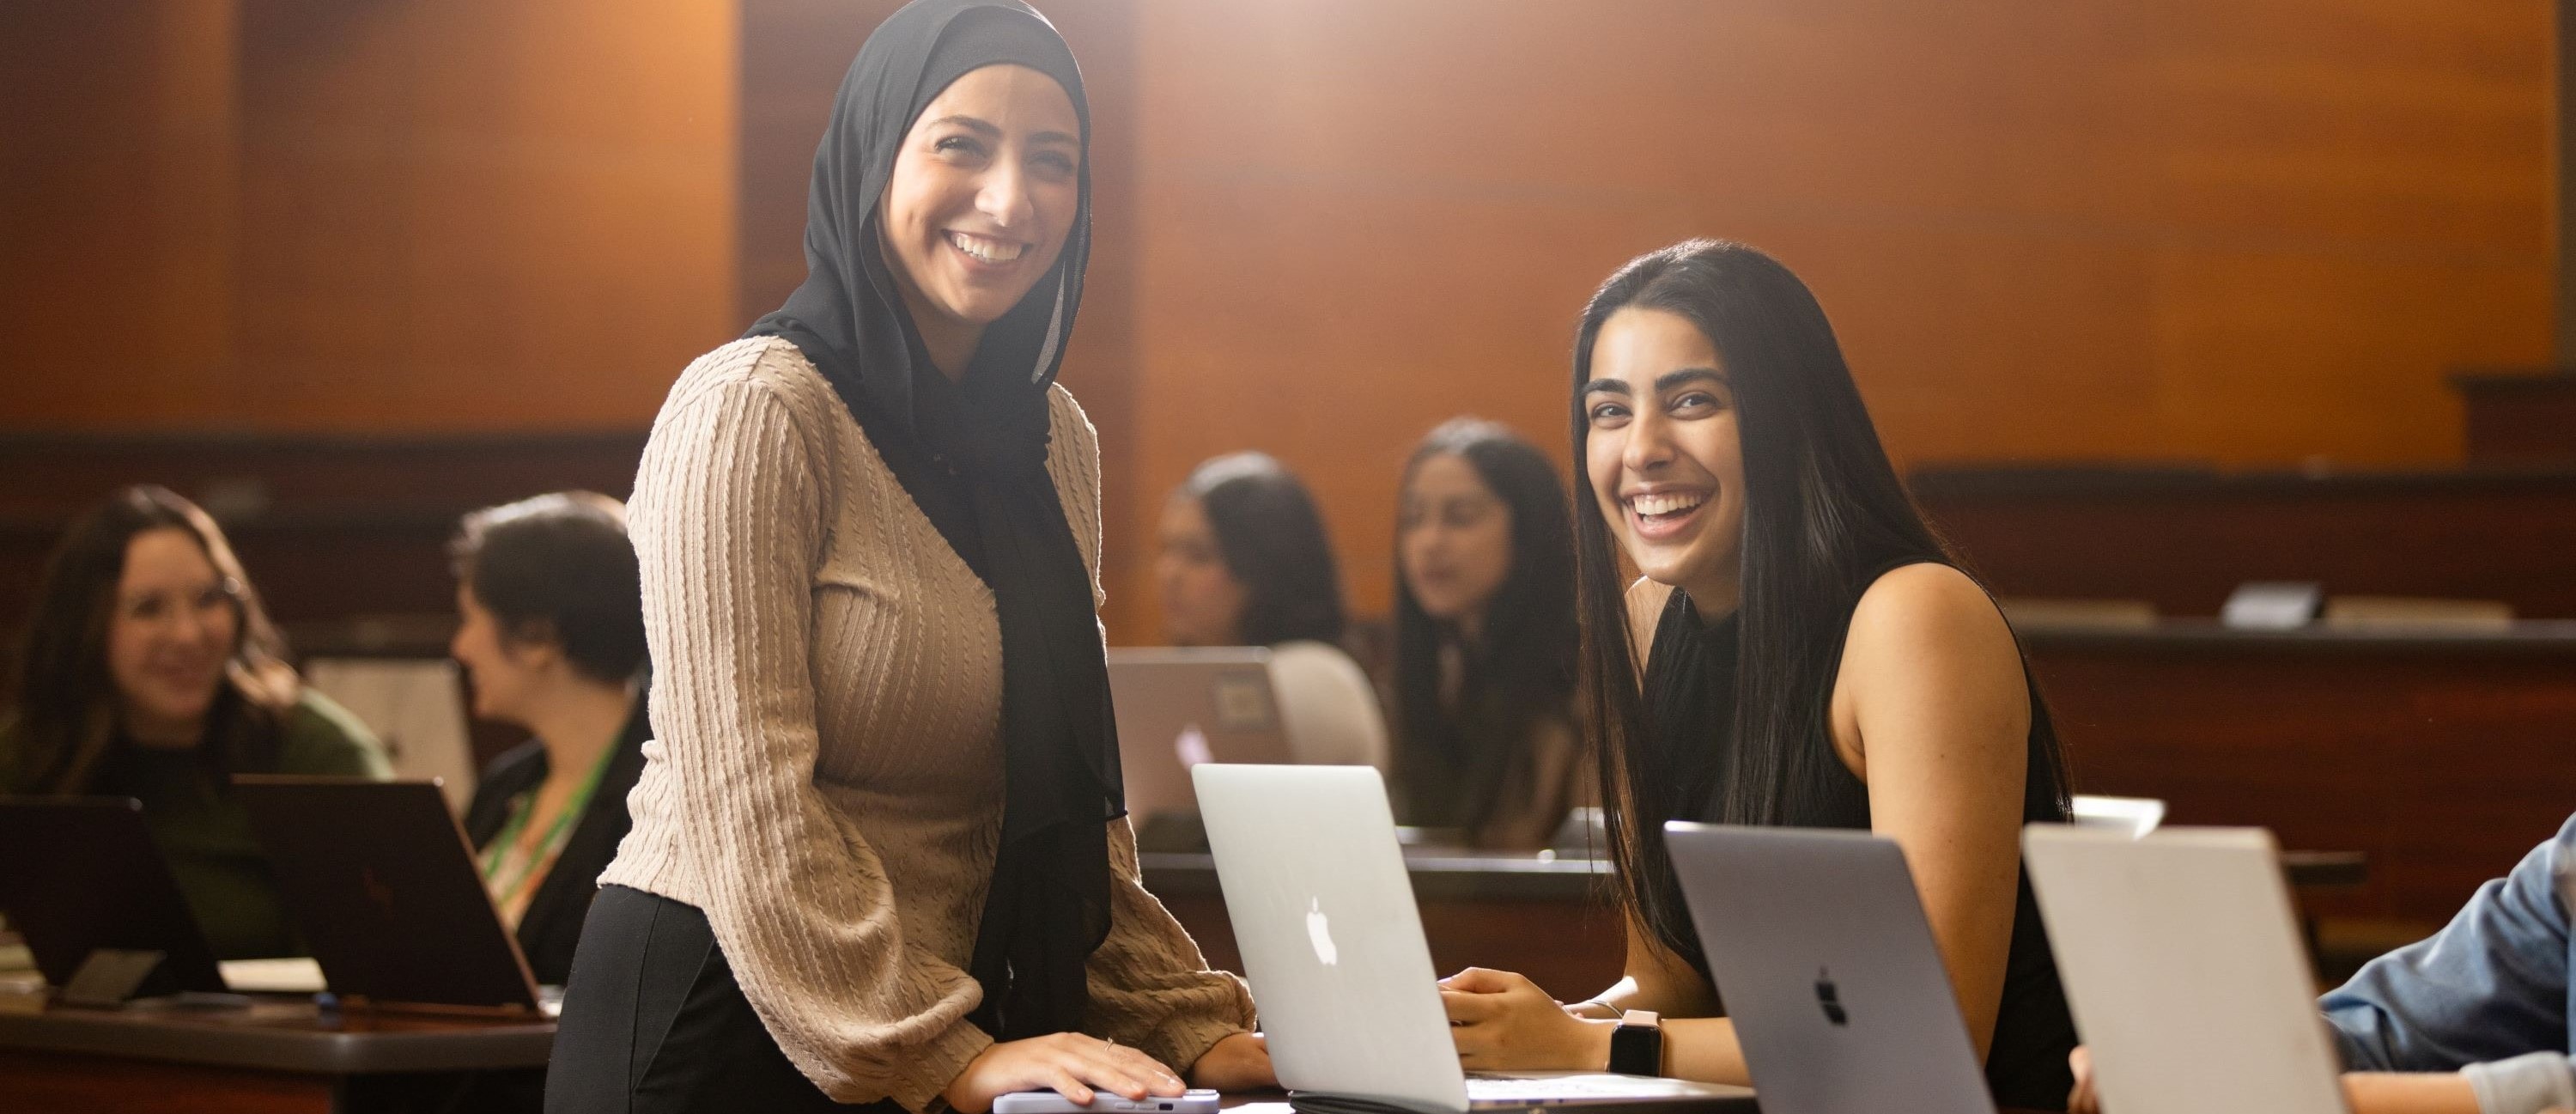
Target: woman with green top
(148, 670)
(553, 637)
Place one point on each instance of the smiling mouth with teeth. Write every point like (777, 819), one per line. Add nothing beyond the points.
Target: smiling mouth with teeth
(1666, 504)
(986, 250)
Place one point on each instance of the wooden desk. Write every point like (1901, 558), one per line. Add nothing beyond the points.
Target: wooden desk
(2442, 757)
(279, 1056)
(1554, 920)
(2519, 417)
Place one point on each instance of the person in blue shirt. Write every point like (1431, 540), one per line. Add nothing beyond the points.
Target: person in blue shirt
(2474, 1020)
(2486, 998)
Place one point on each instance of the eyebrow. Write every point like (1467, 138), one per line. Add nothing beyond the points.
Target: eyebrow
(1665, 382)
(1671, 379)
(986, 128)
(980, 127)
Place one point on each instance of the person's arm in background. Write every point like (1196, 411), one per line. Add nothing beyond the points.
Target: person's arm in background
(2487, 996)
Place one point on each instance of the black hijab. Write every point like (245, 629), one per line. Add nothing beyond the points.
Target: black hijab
(972, 454)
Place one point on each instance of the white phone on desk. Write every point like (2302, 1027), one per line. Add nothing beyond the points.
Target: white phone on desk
(1195, 1101)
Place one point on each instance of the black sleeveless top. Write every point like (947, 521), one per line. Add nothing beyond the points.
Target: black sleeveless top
(2026, 1063)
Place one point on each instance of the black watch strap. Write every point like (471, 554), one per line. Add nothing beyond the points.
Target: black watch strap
(1637, 1045)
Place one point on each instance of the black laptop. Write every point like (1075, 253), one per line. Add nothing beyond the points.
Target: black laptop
(381, 882)
(81, 874)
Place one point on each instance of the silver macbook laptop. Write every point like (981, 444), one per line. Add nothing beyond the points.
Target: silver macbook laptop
(1323, 912)
(2184, 970)
(1839, 995)
(1180, 707)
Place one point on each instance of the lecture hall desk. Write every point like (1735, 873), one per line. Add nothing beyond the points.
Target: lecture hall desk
(1544, 918)
(276, 1057)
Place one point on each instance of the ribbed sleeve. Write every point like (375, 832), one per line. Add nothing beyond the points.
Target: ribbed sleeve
(1149, 985)
(798, 900)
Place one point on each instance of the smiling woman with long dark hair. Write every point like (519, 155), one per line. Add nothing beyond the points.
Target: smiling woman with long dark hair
(150, 670)
(1485, 639)
(1800, 652)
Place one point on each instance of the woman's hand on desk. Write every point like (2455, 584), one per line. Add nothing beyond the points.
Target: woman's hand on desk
(1237, 1063)
(1073, 1064)
(1504, 1022)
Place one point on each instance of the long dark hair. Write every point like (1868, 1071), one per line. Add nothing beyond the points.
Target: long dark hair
(1824, 513)
(1274, 544)
(559, 568)
(66, 700)
(1456, 758)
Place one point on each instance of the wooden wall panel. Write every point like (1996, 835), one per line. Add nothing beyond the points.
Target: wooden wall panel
(2248, 233)
(481, 216)
(117, 211)
(310, 215)
(793, 55)
(2245, 233)
(2183, 541)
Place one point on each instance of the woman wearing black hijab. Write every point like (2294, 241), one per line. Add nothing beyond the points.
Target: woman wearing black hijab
(880, 854)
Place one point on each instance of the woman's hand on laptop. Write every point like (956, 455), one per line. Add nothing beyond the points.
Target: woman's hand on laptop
(1504, 1022)
(1073, 1064)
(1240, 1062)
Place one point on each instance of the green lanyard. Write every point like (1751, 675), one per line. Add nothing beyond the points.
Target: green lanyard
(497, 852)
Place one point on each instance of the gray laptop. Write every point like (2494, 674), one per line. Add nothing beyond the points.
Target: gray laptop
(1178, 707)
(1323, 912)
(2184, 969)
(1819, 944)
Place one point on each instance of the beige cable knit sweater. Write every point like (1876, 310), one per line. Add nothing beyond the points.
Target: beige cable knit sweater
(825, 780)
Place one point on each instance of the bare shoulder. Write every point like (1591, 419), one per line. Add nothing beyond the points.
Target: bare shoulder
(1930, 615)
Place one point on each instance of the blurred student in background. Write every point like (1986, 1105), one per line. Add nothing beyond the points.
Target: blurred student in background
(1485, 640)
(553, 639)
(148, 670)
(1245, 562)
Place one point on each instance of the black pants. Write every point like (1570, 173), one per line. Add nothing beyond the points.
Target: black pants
(654, 1024)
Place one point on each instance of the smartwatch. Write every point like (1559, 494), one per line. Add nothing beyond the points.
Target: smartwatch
(1637, 1045)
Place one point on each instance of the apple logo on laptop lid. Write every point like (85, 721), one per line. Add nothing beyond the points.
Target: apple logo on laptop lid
(1192, 746)
(1319, 929)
